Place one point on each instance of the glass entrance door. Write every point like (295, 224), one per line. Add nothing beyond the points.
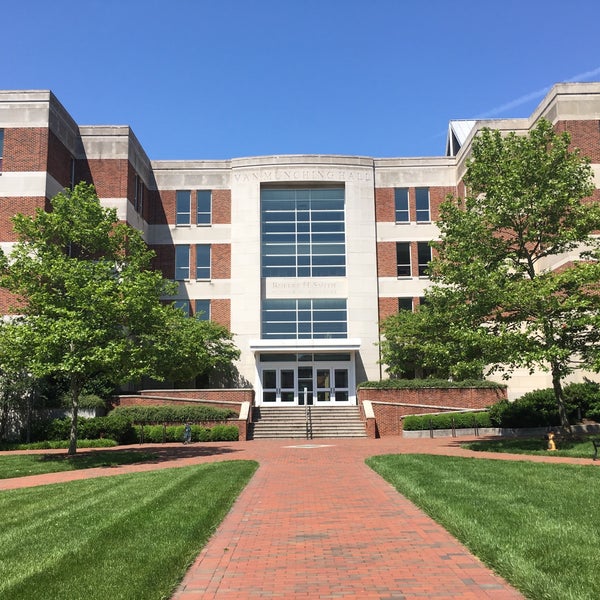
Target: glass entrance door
(301, 384)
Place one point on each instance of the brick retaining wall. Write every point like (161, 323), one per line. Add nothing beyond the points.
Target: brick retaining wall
(391, 406)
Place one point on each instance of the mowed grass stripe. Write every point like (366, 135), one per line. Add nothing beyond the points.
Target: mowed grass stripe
(537, 525)
(121, 537)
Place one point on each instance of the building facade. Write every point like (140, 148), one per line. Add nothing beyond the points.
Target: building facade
(301, 257)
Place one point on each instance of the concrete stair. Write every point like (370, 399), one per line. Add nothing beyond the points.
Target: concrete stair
(290, 422)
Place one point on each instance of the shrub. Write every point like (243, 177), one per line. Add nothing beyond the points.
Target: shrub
(461, 420)
(593, 412)
(538, 408)
(173, 414)
(156, 434)
(401, 384)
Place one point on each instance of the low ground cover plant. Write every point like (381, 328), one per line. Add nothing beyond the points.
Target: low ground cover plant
(121, 537)
(447, 421)
(535, 524)
(22, 465)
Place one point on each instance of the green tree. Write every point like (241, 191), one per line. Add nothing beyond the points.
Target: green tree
(527, 209)
(90, 301)
(426, 343)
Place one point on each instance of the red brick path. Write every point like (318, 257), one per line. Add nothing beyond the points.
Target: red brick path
(316, 522)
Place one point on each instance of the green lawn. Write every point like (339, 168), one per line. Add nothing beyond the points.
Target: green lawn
(21, 465)
(573, 448)
(123, 537)
(537, 525)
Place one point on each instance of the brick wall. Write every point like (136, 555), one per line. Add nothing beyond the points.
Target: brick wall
(386, 259)
(59, 161)
(387, 307)
(221, 207)
(220, 311)
(385, 207)
(585, 135)
(109, 176)
(390, 406)
(164, 260)
(25, 149)
(221, 261)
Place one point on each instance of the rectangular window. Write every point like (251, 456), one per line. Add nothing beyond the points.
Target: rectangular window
(403, 259)
(202, 311)
(401, 205)
(1, 147)
(304, 319)
(138, 194)
(424, 256)
(422, 205)
(183, 207)
(203, 207)
(303, 232)
(203, 261)
(405, 304)
(182, 262)
(183, 305)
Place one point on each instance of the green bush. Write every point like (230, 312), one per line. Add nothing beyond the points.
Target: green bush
(538, 408)
(593, 412)
(402, 384)
(461, 420)
(173, 414)
(156, 434)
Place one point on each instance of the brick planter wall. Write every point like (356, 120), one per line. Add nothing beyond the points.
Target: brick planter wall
(391, 406)
(219, 398)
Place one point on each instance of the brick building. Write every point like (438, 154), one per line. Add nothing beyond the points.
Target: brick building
(300, 256)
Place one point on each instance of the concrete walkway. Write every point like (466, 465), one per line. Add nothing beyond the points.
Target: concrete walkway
(316, 522)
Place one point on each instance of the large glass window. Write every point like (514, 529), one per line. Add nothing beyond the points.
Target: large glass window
(202, 311)
(304, 319)
(183, 207)
(203, 261)
(405, 304)
(182, 262)
(303, 232)
(422, 204)
(183, 305)
(203, 207)
(403, 259)
(401, 205)
(424, 256)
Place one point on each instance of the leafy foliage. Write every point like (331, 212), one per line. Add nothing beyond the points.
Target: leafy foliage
(156, 434)
(173, 414)
(493, 300)
(91, 304)
(400, 384)
(459, 420)
(538, 408)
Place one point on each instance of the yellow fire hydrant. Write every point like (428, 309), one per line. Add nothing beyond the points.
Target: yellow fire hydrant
(551, 444)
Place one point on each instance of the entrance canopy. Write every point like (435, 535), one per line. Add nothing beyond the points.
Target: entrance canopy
(312, 345)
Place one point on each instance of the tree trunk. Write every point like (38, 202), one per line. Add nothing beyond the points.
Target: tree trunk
(559, 397)
(75, 391)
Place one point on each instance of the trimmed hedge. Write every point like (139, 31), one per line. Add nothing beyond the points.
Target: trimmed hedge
(156, 434)
(113, 427)
(403, 384)
(462, 420)
(173, 414)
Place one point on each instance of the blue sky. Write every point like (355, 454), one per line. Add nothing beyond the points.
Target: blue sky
(214, 79)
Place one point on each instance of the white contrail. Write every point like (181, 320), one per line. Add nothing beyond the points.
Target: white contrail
(534, 95)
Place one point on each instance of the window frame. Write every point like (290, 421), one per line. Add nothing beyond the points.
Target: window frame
(207, 221)
(199, 312)
(422, 196)
(182, 262)
(183, 217)
(401, 205)
(203, 267)
(423, 267)
(404, 266)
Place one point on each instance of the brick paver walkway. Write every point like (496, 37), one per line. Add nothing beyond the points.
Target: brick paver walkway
(316, 522)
